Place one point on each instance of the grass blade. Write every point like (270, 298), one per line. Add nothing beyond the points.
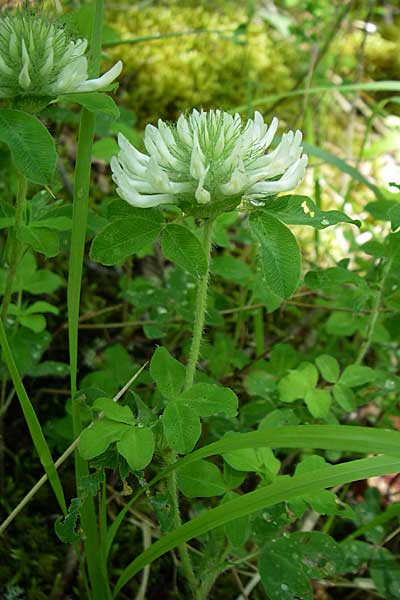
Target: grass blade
(323, 437)
(32, 421)
(343, 166)
(345, 88)
(283, 489)
(97, 572)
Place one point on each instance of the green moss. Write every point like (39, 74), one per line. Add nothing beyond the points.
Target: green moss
(381, 56)
(167, 76)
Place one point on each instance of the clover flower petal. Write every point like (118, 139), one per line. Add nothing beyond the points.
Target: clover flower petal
(38, 58)
(208, 158)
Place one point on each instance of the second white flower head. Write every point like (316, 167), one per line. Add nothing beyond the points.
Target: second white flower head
(208, 158)
(38, 58)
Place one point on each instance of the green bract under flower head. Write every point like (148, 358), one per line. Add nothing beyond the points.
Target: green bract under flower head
(208, 162)
(38, 59)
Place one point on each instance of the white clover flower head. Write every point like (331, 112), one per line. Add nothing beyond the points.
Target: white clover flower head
(208, 162)
(38, 59)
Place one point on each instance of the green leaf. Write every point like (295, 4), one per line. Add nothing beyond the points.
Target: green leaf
(297, 382)
(231, 269)
(259, 460)
(310, 373)
(279, 417)
(246, 459)
(344, 396)
(167, 372)
(237, 530)
(182, 247)
(137, 447)
(201, 479)
(105, 149)
(7, 222)
(95, 102)
(279, 253)
(207, 399)
(329, 367)
(260, 383)
(32, 147)
(57, 223)
(318, 402)
(282, 358)
(125, 237)
(50, 367)
(322, 501)
(114, 411)
(342, 324)
(385, 573)
(355, 554)
(31, 279)
(35, 322)
(43, 240)
(42, 281)
(293, 386)
(89, 485)
(270, 465)
(282, 577)
(301, 210)
(117, 370)
(182, 427)
(233, 478)
(41, 307)
(392, 244)
(7, 215)
(368, 513)
(356, 375)
(329, 280)
(162, 505)
(66, 529)
(380, 209)
(318, 554)
(119, 209)
(394, 214)
(96, 438)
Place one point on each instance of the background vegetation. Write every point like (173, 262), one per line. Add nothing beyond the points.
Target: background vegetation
(295, 59)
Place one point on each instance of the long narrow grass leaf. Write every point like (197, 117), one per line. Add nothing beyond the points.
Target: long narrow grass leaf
(343, 166)
(345, 88)
(324, 437)
(284, 489)
(96, 567)
(32, 421)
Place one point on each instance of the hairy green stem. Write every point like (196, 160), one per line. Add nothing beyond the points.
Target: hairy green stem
(200, 312)
(200, 309)
(182, 548)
